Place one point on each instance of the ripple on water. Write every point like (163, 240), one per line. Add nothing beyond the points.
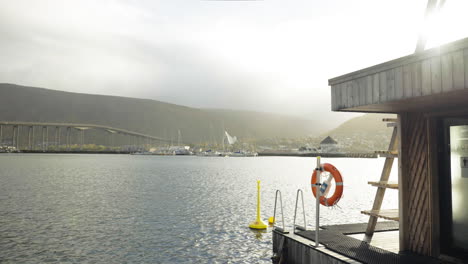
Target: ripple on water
(143, 209)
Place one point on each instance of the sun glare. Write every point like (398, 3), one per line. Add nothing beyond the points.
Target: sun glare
(445, 25)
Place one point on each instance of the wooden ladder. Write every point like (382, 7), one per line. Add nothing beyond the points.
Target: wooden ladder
(383, 184)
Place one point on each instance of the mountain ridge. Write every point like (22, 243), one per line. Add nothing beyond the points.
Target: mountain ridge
(148, 116)
(363, 133)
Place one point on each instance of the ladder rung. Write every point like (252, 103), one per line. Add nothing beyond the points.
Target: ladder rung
(387, 154)
(384, 184)
(389, 214)
(389, 120)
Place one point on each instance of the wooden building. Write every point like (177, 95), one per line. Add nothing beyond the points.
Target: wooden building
(329, 145)
(429, 93)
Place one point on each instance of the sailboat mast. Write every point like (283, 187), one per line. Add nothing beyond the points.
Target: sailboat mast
(178, 137)
(222, 125)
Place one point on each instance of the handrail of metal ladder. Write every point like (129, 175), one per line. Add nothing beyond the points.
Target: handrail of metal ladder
(298, 227)
(276, 228)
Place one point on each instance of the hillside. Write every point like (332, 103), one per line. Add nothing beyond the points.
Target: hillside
(364, 133)
(21, 103)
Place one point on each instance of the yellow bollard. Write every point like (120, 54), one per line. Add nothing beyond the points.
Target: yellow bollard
(258, 224)
(271, 220)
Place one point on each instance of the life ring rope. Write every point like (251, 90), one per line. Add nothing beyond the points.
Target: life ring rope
(338, 193)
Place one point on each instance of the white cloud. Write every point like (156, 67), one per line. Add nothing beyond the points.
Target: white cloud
(265, 55)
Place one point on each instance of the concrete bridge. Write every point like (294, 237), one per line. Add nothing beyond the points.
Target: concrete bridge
(135, 139)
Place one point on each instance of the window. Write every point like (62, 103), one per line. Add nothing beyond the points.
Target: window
(459, 184)
(454, 188)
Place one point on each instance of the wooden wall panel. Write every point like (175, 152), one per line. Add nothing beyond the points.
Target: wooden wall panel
(382, 87)
(407, 86)
(436, 81)
(446, 72)
(361, 99)
(338, 102)
(458, 70)
(398, 83)
(333, 98)
(426, 77)
(369, 89)
(349, 101)
(416, 79)
(362, 90)
(376, 88)
(390, 85)
(355, 92)
(465, 67)
(344, 95)
(352, 92)
(416, 180)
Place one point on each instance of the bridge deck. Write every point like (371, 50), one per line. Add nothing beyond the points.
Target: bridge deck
(83, 126)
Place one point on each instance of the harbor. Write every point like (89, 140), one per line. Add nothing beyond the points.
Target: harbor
(234, 131)
(29, 137)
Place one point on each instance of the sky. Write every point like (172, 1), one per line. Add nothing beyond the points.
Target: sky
(271, 55)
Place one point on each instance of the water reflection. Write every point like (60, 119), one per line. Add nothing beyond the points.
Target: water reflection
(258, 233)
(144, 209)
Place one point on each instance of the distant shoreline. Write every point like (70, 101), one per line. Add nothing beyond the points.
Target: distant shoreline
(260, 154)
(326, 155)
(67, 152)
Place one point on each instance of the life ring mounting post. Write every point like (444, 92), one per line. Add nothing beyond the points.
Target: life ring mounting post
(316, 184)
(320, 190)
(326, 185)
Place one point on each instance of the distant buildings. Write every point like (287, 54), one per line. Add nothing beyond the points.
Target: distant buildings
(329, 145)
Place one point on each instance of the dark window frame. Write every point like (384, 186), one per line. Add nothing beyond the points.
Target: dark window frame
(445, 186)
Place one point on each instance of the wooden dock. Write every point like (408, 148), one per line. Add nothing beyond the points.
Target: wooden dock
(343, 244)
(388, 214)
(297, 249)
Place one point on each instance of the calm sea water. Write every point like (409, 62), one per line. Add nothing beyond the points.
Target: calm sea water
(152, 209)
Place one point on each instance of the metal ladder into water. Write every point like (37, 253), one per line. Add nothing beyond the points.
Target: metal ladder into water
(295, 227)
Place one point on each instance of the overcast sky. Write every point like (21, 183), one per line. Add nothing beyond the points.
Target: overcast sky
(271, 55)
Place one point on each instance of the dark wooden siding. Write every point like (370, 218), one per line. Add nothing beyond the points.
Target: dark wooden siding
(432, 72)
(416, 185)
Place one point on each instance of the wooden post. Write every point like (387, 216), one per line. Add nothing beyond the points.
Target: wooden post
(434, 211)
(402, 181)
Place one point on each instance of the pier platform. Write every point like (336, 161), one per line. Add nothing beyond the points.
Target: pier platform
(344, 244)
(315, 154)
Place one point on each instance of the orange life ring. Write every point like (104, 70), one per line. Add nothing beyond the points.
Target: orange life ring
(338, 188)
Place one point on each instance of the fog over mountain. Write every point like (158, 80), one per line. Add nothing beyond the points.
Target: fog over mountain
(265, 56)
(156, 118)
